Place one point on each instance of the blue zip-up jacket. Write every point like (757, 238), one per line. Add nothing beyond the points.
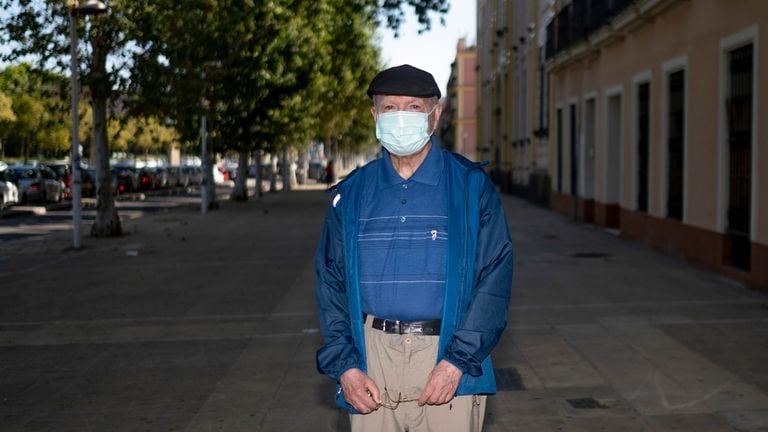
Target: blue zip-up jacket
(478, 277)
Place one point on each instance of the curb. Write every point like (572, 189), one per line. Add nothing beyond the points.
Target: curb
(42, 210)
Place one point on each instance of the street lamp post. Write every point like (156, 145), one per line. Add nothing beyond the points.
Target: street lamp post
(89, 7)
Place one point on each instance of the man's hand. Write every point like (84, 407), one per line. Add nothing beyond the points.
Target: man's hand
(441, 384)
(360, 391)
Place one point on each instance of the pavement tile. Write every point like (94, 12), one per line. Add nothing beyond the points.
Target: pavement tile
(747, 421)
(608, 424)
(689, 423)
(556, 363)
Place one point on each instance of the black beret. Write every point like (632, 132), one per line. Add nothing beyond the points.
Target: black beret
(404, 80)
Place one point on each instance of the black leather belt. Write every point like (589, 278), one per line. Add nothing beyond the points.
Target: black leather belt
(427, 328)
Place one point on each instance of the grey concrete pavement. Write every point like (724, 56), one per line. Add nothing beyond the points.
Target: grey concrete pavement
(199, 323)
(608, 335)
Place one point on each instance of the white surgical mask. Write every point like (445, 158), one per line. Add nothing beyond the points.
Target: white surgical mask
(403, 133)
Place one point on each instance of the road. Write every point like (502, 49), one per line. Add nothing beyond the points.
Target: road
(200, 323)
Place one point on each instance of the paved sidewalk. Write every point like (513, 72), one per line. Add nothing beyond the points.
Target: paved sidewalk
(608, 335)
(199, 323)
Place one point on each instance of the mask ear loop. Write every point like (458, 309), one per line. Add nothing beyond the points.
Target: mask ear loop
(429, 114)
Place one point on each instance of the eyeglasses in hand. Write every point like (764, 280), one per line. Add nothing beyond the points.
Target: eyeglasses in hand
(388, 403)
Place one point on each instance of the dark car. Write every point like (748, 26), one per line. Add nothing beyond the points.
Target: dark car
(126, 178)
(88, 182)
(64, 171)
(151, 178)
(316, 171)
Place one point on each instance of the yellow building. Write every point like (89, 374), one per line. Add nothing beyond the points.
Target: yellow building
(655, 125)
(512, 94)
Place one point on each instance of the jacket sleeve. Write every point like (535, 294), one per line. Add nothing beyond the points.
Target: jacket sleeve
(338, 353)
(486, 314)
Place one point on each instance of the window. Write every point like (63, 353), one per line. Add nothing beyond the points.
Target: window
(559, 149)
(643, 140)
(739, 121)
(675, 145)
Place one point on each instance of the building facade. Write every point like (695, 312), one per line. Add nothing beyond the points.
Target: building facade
(653, 112)
(458, 128)
(512, 96)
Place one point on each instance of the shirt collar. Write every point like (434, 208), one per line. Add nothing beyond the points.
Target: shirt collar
(428, 172)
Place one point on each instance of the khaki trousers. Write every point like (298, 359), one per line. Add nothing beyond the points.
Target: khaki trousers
(399, 365)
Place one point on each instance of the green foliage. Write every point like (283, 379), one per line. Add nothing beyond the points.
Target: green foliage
(144, 135)
(266, 74)
(6, 110)
(38, 100)
(391, 11)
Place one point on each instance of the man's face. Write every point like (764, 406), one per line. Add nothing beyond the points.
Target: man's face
(389, 103)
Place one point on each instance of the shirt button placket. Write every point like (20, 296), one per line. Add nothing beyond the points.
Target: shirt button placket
(403, 200)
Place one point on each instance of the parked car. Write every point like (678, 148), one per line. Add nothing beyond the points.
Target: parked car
(173, 176)
(90, 187)
(228, 168)
(88, 182)
(37, 183)
(127, 178)
(316, 171)
(9, 193)
(219, 177)
(264, 171)
(194, 174)
(183, 176)
(150, 178)
(63, 170)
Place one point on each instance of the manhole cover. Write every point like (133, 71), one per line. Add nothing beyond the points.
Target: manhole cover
(508, 379)
(585, 403)
(590, 255)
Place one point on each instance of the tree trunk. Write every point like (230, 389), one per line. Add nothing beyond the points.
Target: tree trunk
(240, 191)
(209, 184)
(273, 174)
(287, 169)
(107, 222)
(259, 190)
(25, 149)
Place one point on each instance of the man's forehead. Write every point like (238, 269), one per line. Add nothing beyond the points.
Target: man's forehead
(401, 99)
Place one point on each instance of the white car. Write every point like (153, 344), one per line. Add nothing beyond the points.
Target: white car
(36, 183)
(9, 193)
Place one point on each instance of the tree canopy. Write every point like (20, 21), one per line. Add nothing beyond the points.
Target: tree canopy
(265, 74)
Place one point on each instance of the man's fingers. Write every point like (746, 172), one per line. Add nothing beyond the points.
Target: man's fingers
(360, 391)
(363, 402)
(373, 391)
(426, 396)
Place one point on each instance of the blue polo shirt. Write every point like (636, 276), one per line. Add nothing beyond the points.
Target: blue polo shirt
(402, 241)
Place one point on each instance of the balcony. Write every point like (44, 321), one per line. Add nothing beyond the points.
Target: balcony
(585, 24)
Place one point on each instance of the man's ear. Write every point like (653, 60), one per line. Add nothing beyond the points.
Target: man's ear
(438, 111)
(373, 113)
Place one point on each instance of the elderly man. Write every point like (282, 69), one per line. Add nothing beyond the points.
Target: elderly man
(414, 270)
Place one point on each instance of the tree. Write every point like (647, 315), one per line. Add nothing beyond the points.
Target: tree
(7, 117)
(249, 62)
(42, 123)
(6, 109)
(39, 29)
(143, 135)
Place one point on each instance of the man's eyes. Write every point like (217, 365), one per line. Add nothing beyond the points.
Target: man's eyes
(414, 107)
